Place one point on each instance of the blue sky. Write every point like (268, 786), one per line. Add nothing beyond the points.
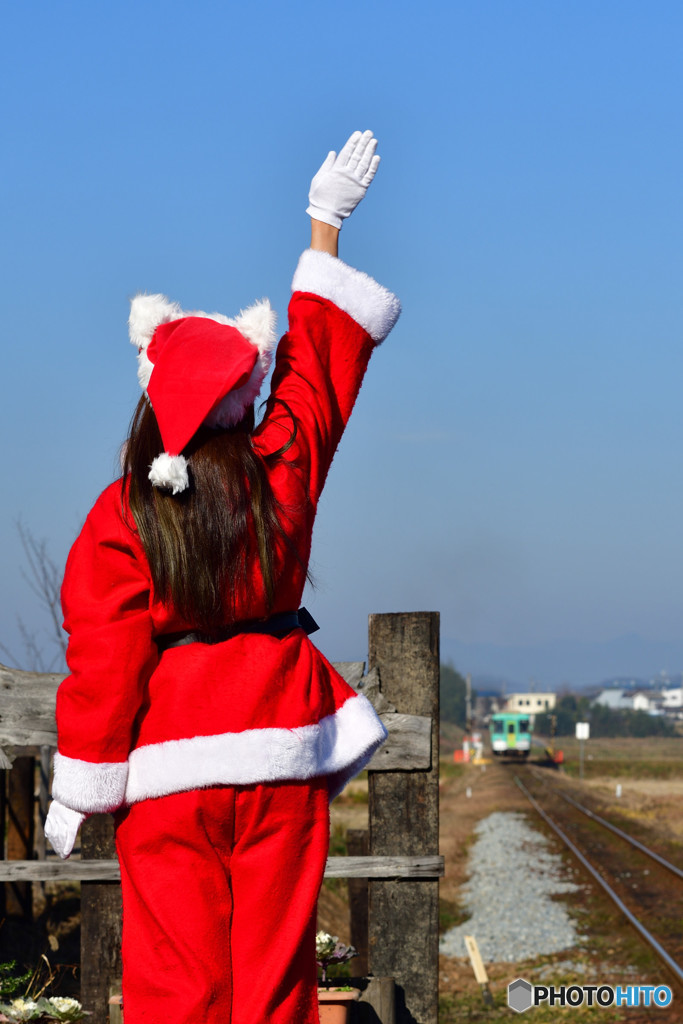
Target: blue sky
(514, 458)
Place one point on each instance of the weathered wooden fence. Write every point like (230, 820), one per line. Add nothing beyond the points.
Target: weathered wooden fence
(393, 871)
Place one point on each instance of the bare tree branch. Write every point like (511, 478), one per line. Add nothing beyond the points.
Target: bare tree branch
(34, 651)
(45, 580)
(8, 654)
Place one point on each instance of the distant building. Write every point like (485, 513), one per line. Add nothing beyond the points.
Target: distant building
(615, 699)
(531, 703)
(672, 697)
(650, 702)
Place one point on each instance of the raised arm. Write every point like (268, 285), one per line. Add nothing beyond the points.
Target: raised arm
(338, 187)
(336, 317)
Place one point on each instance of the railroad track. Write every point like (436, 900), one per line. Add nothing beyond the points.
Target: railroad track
(635, 843)
(655, 901)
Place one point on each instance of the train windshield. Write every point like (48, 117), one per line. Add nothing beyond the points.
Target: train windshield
(524, 725)
(497, 726)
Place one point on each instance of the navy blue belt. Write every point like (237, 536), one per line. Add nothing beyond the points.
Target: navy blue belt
(275, 625)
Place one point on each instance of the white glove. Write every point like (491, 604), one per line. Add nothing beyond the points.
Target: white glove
(61, 828)
(343, 180)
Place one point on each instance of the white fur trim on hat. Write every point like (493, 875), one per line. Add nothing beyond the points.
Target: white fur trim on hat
(147, 312)
(338, 746)
(87, 787)
(371, 305)
(169, 472)
(257, 324)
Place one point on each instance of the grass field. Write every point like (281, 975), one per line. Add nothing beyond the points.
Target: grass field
(651, 758)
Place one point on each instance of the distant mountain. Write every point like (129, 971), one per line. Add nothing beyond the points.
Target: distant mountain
(565, 662)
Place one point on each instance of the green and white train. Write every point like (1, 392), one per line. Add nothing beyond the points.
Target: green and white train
(510, 734)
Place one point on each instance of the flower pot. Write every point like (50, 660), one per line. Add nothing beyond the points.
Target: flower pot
(333, 1005)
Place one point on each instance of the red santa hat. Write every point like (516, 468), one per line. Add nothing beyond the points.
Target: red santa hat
(197, 368)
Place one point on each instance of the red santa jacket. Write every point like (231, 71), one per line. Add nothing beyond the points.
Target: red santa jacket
(134, 724)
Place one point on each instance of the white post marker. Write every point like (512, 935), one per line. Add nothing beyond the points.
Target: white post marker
(583, 731)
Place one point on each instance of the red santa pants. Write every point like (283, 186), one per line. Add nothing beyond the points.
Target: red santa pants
(219, 904)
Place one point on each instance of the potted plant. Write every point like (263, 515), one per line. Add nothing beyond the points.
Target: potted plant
(333, 1003)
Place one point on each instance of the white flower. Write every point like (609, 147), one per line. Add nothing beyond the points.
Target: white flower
(324, 944)
(64, 1004)
(22, 1009)
(62, 1008)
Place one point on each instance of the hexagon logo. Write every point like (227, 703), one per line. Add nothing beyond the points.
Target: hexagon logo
(520, 995)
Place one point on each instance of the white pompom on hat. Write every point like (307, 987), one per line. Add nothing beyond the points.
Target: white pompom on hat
(197, 368)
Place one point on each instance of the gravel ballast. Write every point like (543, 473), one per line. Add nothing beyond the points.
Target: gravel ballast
(512, 877)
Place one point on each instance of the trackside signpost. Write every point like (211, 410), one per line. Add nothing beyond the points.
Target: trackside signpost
(583, 731)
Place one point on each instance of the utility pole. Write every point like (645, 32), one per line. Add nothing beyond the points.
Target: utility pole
(468, 703)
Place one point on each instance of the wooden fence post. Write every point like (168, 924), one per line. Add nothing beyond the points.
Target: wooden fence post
(20, 832)
(43, 800)
(377, 1001)
(358, 845)
(101, 918)
(403, 931)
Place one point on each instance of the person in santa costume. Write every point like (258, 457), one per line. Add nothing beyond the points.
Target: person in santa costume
(197, 708)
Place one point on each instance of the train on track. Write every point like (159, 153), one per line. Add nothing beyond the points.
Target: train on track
(510, 734)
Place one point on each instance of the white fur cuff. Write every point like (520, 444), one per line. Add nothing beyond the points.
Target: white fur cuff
(370, 304)
(88, 787)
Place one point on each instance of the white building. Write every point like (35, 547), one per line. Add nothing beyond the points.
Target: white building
(531, 703)
(672, 697)
(615, 699)
(649, 702)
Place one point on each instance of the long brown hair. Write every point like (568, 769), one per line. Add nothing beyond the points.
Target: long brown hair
(198, 543)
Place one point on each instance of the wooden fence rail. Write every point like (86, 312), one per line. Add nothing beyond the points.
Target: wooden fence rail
(402, 867)
(108, 870)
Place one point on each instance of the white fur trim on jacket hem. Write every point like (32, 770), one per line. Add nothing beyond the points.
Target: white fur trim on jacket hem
(87, 787)
(371, 305)
(338, 746)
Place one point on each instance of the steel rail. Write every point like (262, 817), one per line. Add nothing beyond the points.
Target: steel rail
(675, 968)
(619, 832)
